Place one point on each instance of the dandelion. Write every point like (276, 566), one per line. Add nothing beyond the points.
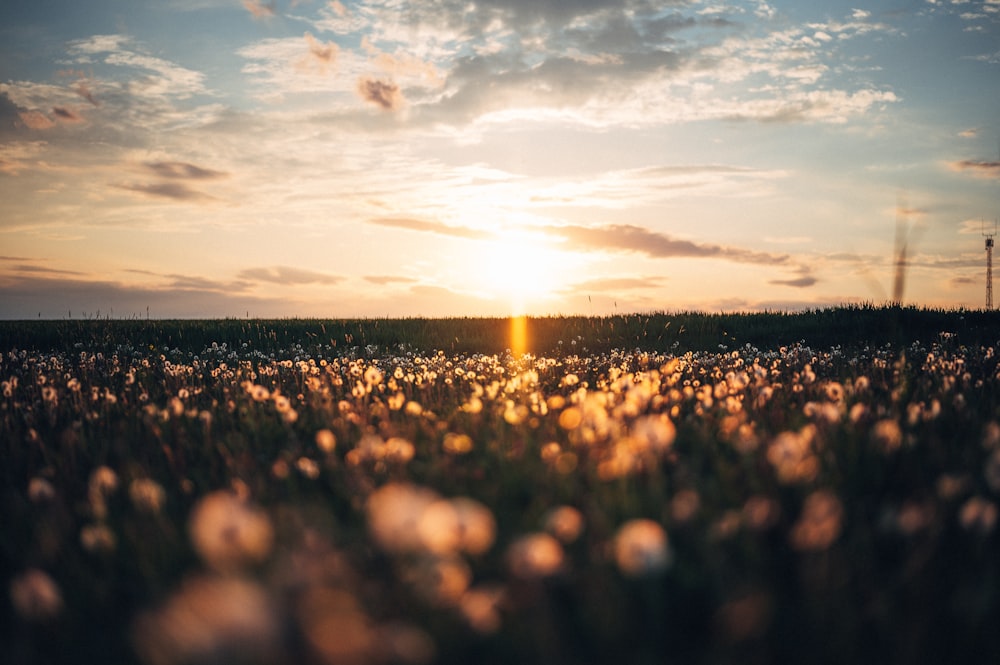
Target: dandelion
(480, 607)
(550, 451)
(887, 435)
(398, 450)
(570, 418)
(405, 643)
(228, 533)
(457, 444)
(336, 630)
(744, 618)
(373, 377)
(307, 467)
(259, 393)
(147, 495)
(978, 515)
(210, 620)
(439, 528)
(656, 432)
(394, 513)
(564, 522)
(326, 441)
(819, 524)
(992, 471)
(913, 517)
(41, 490)
(97, 539)
(761, 512)
(535, 555)
(641, 548)
(440, 581)
(834, 391)
(791, 455)
(685, 505)
(950, 486)
(991, 435)
(35, 596)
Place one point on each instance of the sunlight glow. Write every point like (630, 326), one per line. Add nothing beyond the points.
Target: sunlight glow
(522, 269)
(518, 335)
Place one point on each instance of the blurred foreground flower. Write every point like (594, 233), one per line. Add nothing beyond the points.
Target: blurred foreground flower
(147, 495)
(641, 548)
(228, 533)
(535, 555)
(820, 523)
(210, 620)
(407, 518)
(35, 596)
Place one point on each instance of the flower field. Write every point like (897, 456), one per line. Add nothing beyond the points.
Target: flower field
(329, 500)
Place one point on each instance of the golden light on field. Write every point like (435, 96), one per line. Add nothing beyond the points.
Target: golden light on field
(518, 335)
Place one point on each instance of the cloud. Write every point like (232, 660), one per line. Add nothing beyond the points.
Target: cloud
(613, 237)
(630, 238)
(167, 190)
(383, 280)
(288, 276)
(615, 284)
(977, 227)
(83, 89)
(182, 171)
(167, 79)
(980, 168)
(431, 227)
(193, 282)
(36, 120)
(260, 9)
(67, 115)
(322, 54)
(384, 94)
(23, 297)
(33, 269)
(799, 282)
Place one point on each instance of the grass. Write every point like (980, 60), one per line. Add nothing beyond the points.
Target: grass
(810, 487)
(675, 332)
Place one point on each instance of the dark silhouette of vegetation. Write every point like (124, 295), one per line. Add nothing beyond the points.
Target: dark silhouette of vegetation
(848, 327)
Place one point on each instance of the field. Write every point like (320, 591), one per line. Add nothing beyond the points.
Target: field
(751, 488)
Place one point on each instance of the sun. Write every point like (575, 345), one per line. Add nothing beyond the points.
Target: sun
(522, 268)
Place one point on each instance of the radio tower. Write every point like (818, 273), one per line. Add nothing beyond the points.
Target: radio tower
(989, 266)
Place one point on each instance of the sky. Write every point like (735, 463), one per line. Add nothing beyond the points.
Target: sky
(394, 158)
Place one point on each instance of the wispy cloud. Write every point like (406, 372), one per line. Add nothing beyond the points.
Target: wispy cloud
(431, 227)
(27, 268)
(630, 238)
(28, 296)
(167, 190)
(616, 284)
(805, 281)
(288, 276)
(322, 55)
(182, 171)
(67, 115)
(259, 9)
(384, 280)
(982, 168)
(163, 78)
